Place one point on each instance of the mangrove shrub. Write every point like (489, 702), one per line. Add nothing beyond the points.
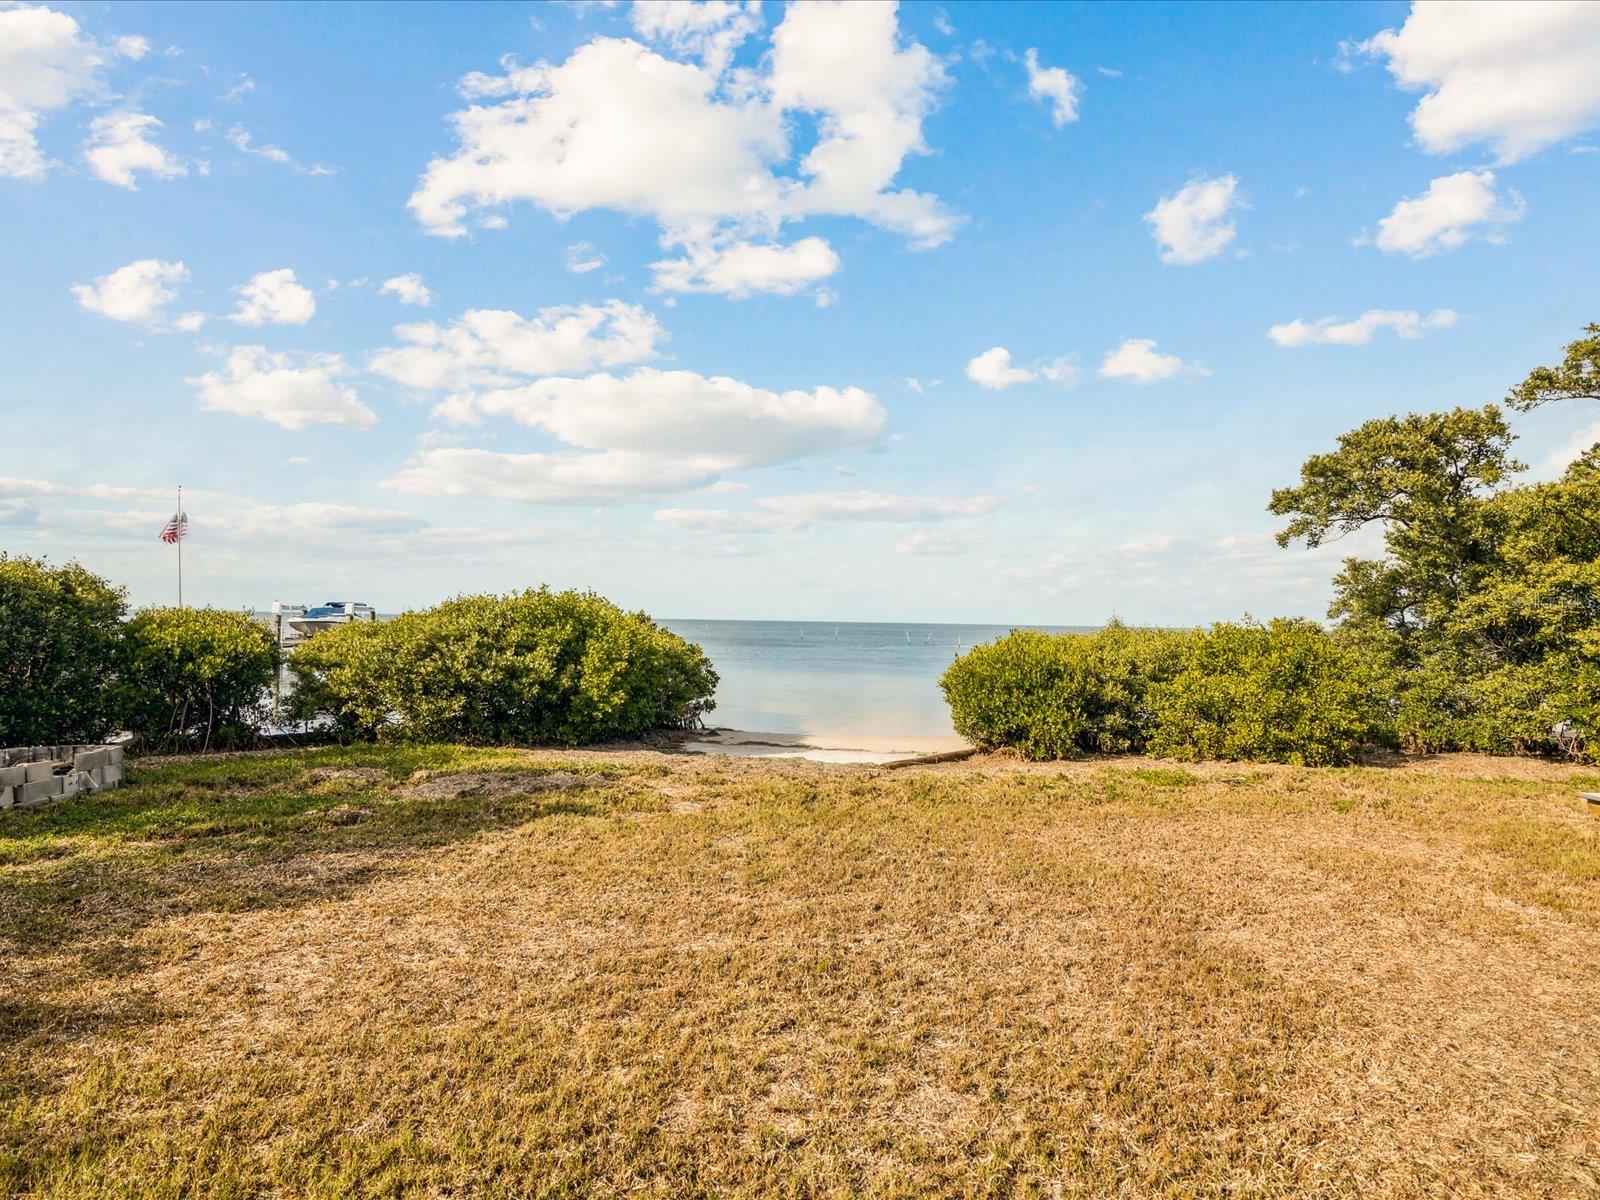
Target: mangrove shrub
(59, 632)
(1053, 695)
(196, 677)
(538, 666)
(1282, 692)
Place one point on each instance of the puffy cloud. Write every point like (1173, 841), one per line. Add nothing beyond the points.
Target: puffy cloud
(842, 62)
(992, 369)
(274, 298)
(741, 269)
(710, 30)
(681, 414)
(776, 514)
(260, 383)
(408, 289)
(1138, 361)
(1447, 215)
(1193, 224)
(1516, 77)
(490, 346)
(46, 63)
(1330, 331)
(620, 126)
(118, 148)
(648, 433)
(132, 47)
(137, 294)
(1054, 86)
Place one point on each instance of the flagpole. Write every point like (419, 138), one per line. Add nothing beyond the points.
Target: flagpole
(180, 546)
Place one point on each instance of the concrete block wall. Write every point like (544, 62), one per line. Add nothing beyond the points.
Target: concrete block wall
(39, 774)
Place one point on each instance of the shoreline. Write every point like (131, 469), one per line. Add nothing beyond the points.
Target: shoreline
(825, 747)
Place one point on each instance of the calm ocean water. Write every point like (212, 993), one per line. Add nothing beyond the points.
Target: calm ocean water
(813, 677)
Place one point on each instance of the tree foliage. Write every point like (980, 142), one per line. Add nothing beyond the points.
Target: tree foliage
(59, 632)
(1056, 695)
(196, 677)
(1485, 608)
(538, 666)
(1478, 628)
(1281, 692)
(1576, 378)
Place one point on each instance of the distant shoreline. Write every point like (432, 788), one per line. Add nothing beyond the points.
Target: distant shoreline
(843, 747)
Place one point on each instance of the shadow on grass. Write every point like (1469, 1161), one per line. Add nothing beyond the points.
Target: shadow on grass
(79, 881)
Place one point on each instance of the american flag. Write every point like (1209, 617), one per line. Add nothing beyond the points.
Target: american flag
(175, 530)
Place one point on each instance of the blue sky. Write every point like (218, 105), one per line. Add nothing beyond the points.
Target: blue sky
(957, 312)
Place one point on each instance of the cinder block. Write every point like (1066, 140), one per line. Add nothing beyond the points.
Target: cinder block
(8, 797)
(12, 776)
(113, 774)
(74, 782)
(116, 754)
(90, 757)
(40, 770)
(40, 791)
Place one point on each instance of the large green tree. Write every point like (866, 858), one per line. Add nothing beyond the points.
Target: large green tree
(1426, 480)
(1485, 606)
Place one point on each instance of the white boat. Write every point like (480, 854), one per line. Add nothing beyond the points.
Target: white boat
(325, 616)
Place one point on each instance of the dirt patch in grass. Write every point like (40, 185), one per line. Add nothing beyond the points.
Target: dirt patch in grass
(427, 785)
(985, 979)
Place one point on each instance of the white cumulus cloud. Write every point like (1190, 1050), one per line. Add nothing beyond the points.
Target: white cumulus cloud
(1453, 210)
(295, 394)
(1516, 77)
(274, 298)
(1193, 224)
(710, 30)
(119, 147)
(137, 294)
(1054, 86)
(619, 125)
(1331, 331)
(647, 433)
(741, 269)
(46, 64)
(1138, 361)
(408, 289)
(993, 369)
(485, 347)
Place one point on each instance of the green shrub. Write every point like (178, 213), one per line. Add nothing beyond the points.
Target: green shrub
(1282, 692)
(59, 632)
(196, 676)
(1054, 695)
(1550, 706)
(540, 666)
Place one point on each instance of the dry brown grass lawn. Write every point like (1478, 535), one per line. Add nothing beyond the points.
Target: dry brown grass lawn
(648, 975)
